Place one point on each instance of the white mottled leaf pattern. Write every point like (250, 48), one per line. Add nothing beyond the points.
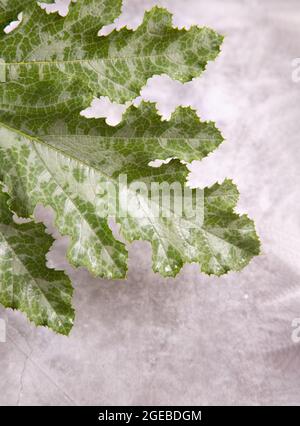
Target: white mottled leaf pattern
(68, 50)
(25, 281)
(51, 69)
(66, 163)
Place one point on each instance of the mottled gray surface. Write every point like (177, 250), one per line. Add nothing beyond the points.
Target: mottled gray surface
(194, 339)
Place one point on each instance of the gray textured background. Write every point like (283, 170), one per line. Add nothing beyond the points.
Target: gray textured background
(194, 339)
